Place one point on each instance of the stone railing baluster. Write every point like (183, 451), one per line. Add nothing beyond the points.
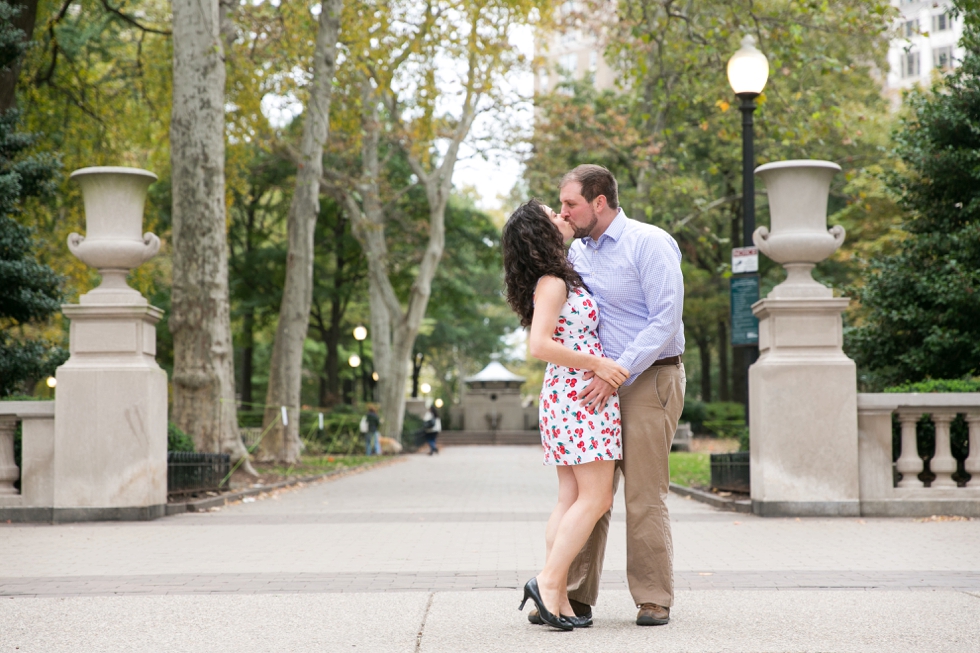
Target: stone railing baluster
(9, 472)
(973, 460)
(943, 465)
(909, 463)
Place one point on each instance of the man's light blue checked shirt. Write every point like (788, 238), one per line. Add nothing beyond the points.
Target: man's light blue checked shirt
(634, 273)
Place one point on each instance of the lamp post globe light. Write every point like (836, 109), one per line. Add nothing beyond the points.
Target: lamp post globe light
(748, 71)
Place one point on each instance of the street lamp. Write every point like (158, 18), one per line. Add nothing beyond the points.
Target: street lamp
(425, 388)
(360, 333)
(748, 70)
(355, 362)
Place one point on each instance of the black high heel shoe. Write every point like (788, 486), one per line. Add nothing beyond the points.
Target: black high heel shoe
(531, 592)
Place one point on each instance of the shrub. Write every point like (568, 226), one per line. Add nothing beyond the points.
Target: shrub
(177, 440)
(725, 419)
(412, 432)
(694, 413)
(938, 385)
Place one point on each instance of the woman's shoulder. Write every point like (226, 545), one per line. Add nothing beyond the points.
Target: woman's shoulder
(551, 285)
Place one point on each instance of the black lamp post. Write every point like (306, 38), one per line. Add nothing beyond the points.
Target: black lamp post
(360, 333)
(748, 71)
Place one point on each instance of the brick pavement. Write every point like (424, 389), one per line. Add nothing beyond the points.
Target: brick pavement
(296, 583)
(464, 524)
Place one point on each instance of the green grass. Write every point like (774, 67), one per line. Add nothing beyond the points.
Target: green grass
(690, 469)
(311, 465)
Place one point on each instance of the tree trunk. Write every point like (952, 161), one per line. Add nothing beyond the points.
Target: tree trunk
(723, 385)
(417, 360)
(393, 330)
(204, 379)
(704, 350)
(281, 442)
(24, 21)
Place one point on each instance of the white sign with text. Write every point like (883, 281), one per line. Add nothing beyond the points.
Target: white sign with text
(745, 259)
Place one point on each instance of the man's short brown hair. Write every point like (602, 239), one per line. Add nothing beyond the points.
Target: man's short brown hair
(595, 181)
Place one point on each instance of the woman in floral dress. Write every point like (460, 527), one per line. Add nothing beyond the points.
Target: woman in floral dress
(550, 297)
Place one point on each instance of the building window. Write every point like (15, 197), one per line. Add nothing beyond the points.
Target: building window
(568, 62)
(910, 64)
(941, 23)
(543, 77)
(911, 27)
(942, 58)
(593, 61)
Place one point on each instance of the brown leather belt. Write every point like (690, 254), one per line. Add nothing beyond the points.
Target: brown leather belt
(672, 360)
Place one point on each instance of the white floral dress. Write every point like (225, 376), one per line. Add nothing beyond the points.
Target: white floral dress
(570, 435)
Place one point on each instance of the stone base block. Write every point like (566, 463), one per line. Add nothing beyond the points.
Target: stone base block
(804, 435)
(70, 515)
(921, 508)
(110, 442)
(806, 508)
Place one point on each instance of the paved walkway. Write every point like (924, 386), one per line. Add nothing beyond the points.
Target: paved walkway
(427, 555)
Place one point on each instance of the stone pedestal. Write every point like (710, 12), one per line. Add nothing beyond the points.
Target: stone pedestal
(803, 389)
(111, 417)
(803, 411)
(110, 433)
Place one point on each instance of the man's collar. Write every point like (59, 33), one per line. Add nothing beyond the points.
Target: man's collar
(614, 230)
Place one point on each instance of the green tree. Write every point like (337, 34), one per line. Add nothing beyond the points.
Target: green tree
(921, 305)
(29, 291)
(672, 136)
(467, 314)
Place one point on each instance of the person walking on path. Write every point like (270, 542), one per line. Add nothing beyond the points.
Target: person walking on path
(583, 443)
(432, 427)
(634, 272)
(369, 427)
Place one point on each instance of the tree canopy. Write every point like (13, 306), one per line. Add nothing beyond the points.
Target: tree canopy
(921, 304)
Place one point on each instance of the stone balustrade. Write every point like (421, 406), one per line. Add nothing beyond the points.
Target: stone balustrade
(33, 500)
(880, 493)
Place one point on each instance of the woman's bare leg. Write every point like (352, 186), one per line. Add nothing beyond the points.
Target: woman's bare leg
(593, 499)
(567, 493)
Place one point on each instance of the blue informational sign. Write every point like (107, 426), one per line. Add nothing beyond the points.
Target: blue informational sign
(745, 325)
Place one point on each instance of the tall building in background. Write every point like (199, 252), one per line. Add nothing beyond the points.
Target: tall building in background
(573, 53)
(927, 42)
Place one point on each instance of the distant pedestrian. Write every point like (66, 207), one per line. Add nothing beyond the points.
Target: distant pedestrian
(369, 427)
(432, 426)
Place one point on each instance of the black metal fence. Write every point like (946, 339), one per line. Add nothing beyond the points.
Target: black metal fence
(195, 472)
(730, 471)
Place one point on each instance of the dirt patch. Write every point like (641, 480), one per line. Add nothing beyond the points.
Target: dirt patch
(714, 445)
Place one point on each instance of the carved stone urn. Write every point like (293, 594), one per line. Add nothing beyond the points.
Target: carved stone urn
(113, 241)
(798, 238)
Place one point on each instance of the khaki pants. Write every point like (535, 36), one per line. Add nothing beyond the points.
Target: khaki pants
(651, 407)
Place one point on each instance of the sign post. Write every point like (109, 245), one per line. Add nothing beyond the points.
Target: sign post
(744, 293)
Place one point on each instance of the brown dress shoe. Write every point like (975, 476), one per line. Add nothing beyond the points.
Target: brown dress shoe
(651, 614)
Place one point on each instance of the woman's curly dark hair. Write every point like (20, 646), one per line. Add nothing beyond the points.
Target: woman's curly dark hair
(533, 248)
